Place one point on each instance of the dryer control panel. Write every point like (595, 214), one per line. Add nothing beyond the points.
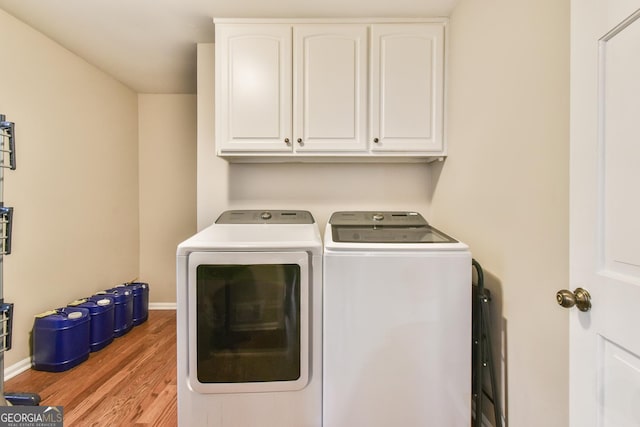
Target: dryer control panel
(265, 217)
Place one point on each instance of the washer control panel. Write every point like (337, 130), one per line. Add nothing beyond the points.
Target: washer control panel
(389, 219)
(384, 227)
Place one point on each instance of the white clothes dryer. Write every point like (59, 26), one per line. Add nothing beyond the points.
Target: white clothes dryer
(249, 318)
(397, 323)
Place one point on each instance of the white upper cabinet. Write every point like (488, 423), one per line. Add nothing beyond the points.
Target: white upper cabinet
(407, 87)
(253, 88)
(330, 87)
(329, 90)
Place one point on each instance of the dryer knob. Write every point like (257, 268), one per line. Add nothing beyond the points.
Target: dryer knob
(378, 217)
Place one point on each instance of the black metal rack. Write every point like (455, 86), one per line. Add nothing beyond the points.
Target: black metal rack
(7, 161)
(482, 354)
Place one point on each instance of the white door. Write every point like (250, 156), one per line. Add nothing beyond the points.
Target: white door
(330, 87)
(253, 87)
(605, 212)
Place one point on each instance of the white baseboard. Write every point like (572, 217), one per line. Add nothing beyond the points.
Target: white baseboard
(162, 306)
(25, 364)
(17, 368)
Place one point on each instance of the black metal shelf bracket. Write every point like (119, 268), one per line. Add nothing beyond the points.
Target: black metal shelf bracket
(6, 326)
(8, 131)
(6, 222)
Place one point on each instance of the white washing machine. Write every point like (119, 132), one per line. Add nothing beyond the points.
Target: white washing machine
(397, 323)
(249, 319)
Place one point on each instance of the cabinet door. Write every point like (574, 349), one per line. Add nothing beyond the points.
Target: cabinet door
(330, 81)
(407, 76)
(253, 87)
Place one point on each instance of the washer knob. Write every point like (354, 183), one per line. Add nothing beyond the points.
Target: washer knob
(265, 215)
(378, 217)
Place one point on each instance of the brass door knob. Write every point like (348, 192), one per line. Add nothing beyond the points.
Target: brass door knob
(579, 297)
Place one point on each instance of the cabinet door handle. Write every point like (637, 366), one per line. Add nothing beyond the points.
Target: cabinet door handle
(376, 140)
(300, 141)
(286, 141)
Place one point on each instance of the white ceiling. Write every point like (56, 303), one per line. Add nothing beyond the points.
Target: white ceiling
(150, 45)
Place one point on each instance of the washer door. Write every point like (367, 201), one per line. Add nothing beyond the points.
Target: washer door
(248, 321)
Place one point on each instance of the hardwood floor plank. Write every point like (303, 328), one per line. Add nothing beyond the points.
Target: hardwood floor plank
(131, 382)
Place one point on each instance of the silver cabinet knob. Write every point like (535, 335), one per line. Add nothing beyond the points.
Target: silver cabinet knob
(286, 141)
(376, 140)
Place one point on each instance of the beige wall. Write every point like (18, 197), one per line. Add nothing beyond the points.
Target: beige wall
(504, 188)
(75, 191)
(167, 150)
(319, 188)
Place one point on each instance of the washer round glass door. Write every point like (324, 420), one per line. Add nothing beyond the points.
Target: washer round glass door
(248, 321)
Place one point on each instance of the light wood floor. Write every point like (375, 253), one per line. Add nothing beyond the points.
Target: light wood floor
(131, 382)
